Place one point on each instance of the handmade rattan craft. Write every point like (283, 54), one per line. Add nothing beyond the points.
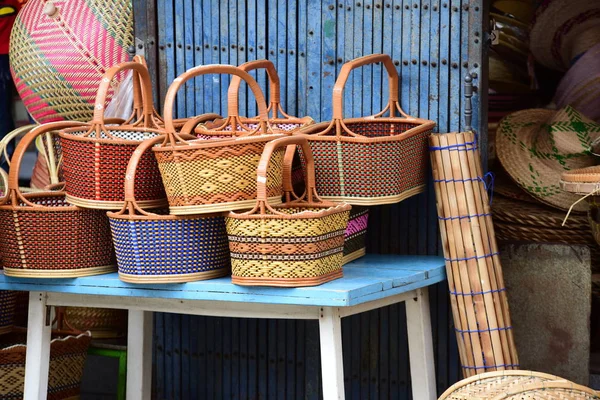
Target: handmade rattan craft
(478, 295)
(371, 160)
(159, 248)
(356, 234)
(517, 385)
(41, 235)
(207, 176)
(298, 243)
(67, 360)
(95, 156)
(8, 302)
(102, 323)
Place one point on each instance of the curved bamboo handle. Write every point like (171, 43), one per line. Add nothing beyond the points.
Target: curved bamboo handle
(13, 176)
(265, 159)
(213, 69)
(190, 125)
(275, 85)
(340, 83)
(10, 136)
(145, 89)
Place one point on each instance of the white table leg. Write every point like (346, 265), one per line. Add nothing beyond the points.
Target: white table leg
(332, 365)
(37, 359)
(139, 355)
(420, 346)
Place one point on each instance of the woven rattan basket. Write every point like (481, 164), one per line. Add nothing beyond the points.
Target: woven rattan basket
(41, 235)
(298, 243)
(517, 384)
(355, 238)
(8, 302)
(153, 247)
(218, 174)
(102, 323)
(67, 360)
(371, 160)
(95, 156)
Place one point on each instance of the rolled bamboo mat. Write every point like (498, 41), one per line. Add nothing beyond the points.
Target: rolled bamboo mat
(477, 291)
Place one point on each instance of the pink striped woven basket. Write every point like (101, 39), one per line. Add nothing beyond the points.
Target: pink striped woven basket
(59, 51)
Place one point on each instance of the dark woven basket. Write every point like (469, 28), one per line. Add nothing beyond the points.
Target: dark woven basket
(41, 235)
(356, 234)
(159, 248)
(8, 302)
(371, 160)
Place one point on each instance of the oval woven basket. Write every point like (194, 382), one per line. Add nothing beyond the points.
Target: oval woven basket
(42, 235)
(219, 174)
(8, 303)
(102, 323)
(298, 243)
(516, 384)
(371, 160)
(67, 361)
(153, 247)
(581, 181)
(95, 156)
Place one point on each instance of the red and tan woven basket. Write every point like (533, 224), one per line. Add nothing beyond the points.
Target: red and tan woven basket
(218, 174)
(42, 235)
(8, 303)
(371, 160)
(298, 243)
(102, 323)
(95, 156)
(68, 353)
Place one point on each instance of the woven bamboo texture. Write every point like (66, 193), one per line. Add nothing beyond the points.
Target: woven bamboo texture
(477, 291)
(517, 384)
(8, 302)
(95, 156)
(41, 235)
(219, 174)
(59, 51)
(102, 323)
(355, 237)
(372, 160)
(153, 247)
(67, 360)
(298, 243)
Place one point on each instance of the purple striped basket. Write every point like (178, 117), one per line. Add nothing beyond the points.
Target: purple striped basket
(356, 234)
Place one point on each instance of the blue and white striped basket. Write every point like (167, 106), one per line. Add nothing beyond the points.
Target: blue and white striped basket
(154, 247)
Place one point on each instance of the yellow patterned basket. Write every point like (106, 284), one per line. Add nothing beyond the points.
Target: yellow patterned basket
(216, 174)
(298, 243)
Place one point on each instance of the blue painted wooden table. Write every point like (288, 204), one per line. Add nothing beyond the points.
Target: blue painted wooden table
(371, 282)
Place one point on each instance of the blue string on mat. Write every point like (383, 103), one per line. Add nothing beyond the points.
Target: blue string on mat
(506, 328)
(478, 293)
(457, 147)
(487, 180)
(472, 257)
(464, 217)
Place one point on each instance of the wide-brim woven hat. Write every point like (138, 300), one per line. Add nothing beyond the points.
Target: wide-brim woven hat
(580, 87)
(536, 146)
(563, 30)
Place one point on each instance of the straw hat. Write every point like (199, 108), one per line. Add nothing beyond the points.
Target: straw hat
(535, 146)
(563, 30)
(580, 87)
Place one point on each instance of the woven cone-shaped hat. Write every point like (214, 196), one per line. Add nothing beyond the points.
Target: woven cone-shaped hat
(536, 146)
(563, 30)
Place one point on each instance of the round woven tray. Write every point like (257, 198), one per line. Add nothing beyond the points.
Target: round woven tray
(516, 384)
(581, 181)
(510, 210)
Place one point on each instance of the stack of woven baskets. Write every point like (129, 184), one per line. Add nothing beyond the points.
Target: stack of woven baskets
(267, 197)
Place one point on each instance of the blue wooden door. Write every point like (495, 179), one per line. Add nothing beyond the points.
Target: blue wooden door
(434, 44)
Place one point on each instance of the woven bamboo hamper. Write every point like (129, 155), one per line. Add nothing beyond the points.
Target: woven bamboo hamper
(517, 385)
(67, 360)
(41, 235)
(355, 236)
(298, 243)
(95, 156)
(153, 247)
(216, 174)
(102, 323)
(8, 302)
(371, 160)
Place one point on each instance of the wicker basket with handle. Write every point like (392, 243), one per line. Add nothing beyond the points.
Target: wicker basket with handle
(298, 243)
(42, 235)
(219, 174)
(95, 156)
(371, 160)
(153, 247)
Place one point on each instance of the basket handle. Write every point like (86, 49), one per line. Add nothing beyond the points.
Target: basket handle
(190, 125)
(14, 193)
(232, 106)
(275, 85)
(7, 139)
(138, 105)
(265, 159)
(143, 78)
(340, 83)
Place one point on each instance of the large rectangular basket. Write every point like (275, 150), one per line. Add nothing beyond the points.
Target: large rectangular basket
(372, 160)
(298, 243)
